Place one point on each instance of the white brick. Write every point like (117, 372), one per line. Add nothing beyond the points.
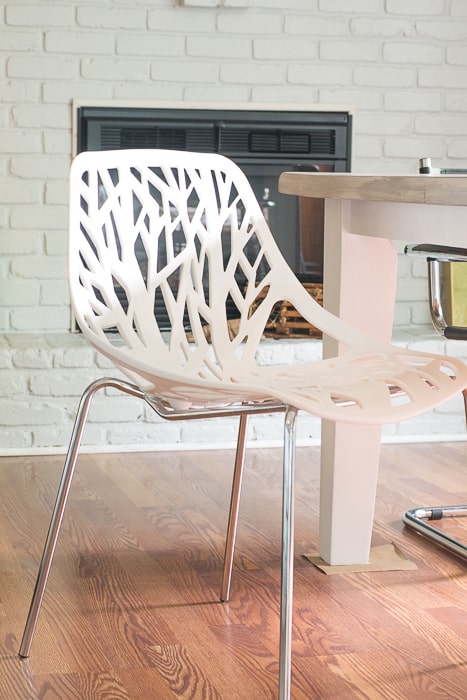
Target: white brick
(456, 55)
(407, 290)
(55, 437)
(21, 41)
(41, 67)
(41, 167)
(252, 23)
(95, 43)
(458, 149)
(161, 21)
(383, 27)
(237, 3)
(319, 74)
(114, 69)
(39, 14)
(150, 44)
(415, 102)
(415, 7)
(43, 318)
(385, 124)
(20, 192)
(348, 51)
(46, 267)
(15, 141)
(264, 74)
(208, 431)
(42, 116)
(458, 8)
(443, 77)
(315, 26)
(27, 414)
(410, 147)
(4, 320)
(155, 92)
(6, 354)
(60, 383)
(12, 244)
(184, 71)
(140, 434)
(367, 146)
(47, 217)
(76, 357)
(12, 383)
(284, 95)
(111, 17)
(201, 3)
(56, 242)
(443, 31)
(288, 49)
(18, 293)
(120, 410)
(233, 94)
(430, 124)
(19, 91)
(420, 313)
(54, 291)
(14, 439)
(384, 76)
(363, 100)
(358, 6)
(403, 52)
(303, 5)
(61, 92)
(57, 141)
(218, 46)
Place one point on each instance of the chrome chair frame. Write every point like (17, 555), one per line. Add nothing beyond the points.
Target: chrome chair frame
(167, 412)
(419, 518)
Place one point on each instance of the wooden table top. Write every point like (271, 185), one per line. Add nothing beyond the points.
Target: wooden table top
(417, 189)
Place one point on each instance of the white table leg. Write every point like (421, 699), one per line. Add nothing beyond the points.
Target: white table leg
(360, 274)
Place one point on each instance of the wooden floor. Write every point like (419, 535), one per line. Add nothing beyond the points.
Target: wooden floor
(131, 610)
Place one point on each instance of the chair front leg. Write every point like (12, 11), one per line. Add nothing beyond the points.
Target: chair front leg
(60, 503)
(285, 642)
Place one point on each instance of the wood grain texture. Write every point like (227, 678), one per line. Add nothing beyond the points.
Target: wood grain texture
(132, 611)
(415, 189)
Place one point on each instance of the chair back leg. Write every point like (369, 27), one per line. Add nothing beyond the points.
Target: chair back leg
(234, 508)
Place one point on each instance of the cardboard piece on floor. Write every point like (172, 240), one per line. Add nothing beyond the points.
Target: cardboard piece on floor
(386, 557)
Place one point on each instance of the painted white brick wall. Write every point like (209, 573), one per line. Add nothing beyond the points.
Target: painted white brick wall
(402, 64)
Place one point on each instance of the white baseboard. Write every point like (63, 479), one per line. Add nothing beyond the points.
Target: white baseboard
(199, 446)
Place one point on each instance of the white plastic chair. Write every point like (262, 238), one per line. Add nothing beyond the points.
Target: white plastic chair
(184, 231)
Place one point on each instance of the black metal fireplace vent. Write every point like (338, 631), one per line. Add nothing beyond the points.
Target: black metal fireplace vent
(234, 133)
(228, 141)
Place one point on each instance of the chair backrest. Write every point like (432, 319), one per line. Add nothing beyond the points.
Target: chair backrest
(178, 232)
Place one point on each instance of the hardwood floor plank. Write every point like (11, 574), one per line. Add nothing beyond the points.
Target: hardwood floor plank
(132, 609)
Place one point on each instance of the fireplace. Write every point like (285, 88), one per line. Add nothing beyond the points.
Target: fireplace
(263, 142)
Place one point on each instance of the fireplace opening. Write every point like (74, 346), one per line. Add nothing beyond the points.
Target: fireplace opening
(264, 143)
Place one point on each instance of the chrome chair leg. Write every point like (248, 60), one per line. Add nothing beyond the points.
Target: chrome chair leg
(285, 641)
(417, 518)
(60, 503)
(234, 507)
